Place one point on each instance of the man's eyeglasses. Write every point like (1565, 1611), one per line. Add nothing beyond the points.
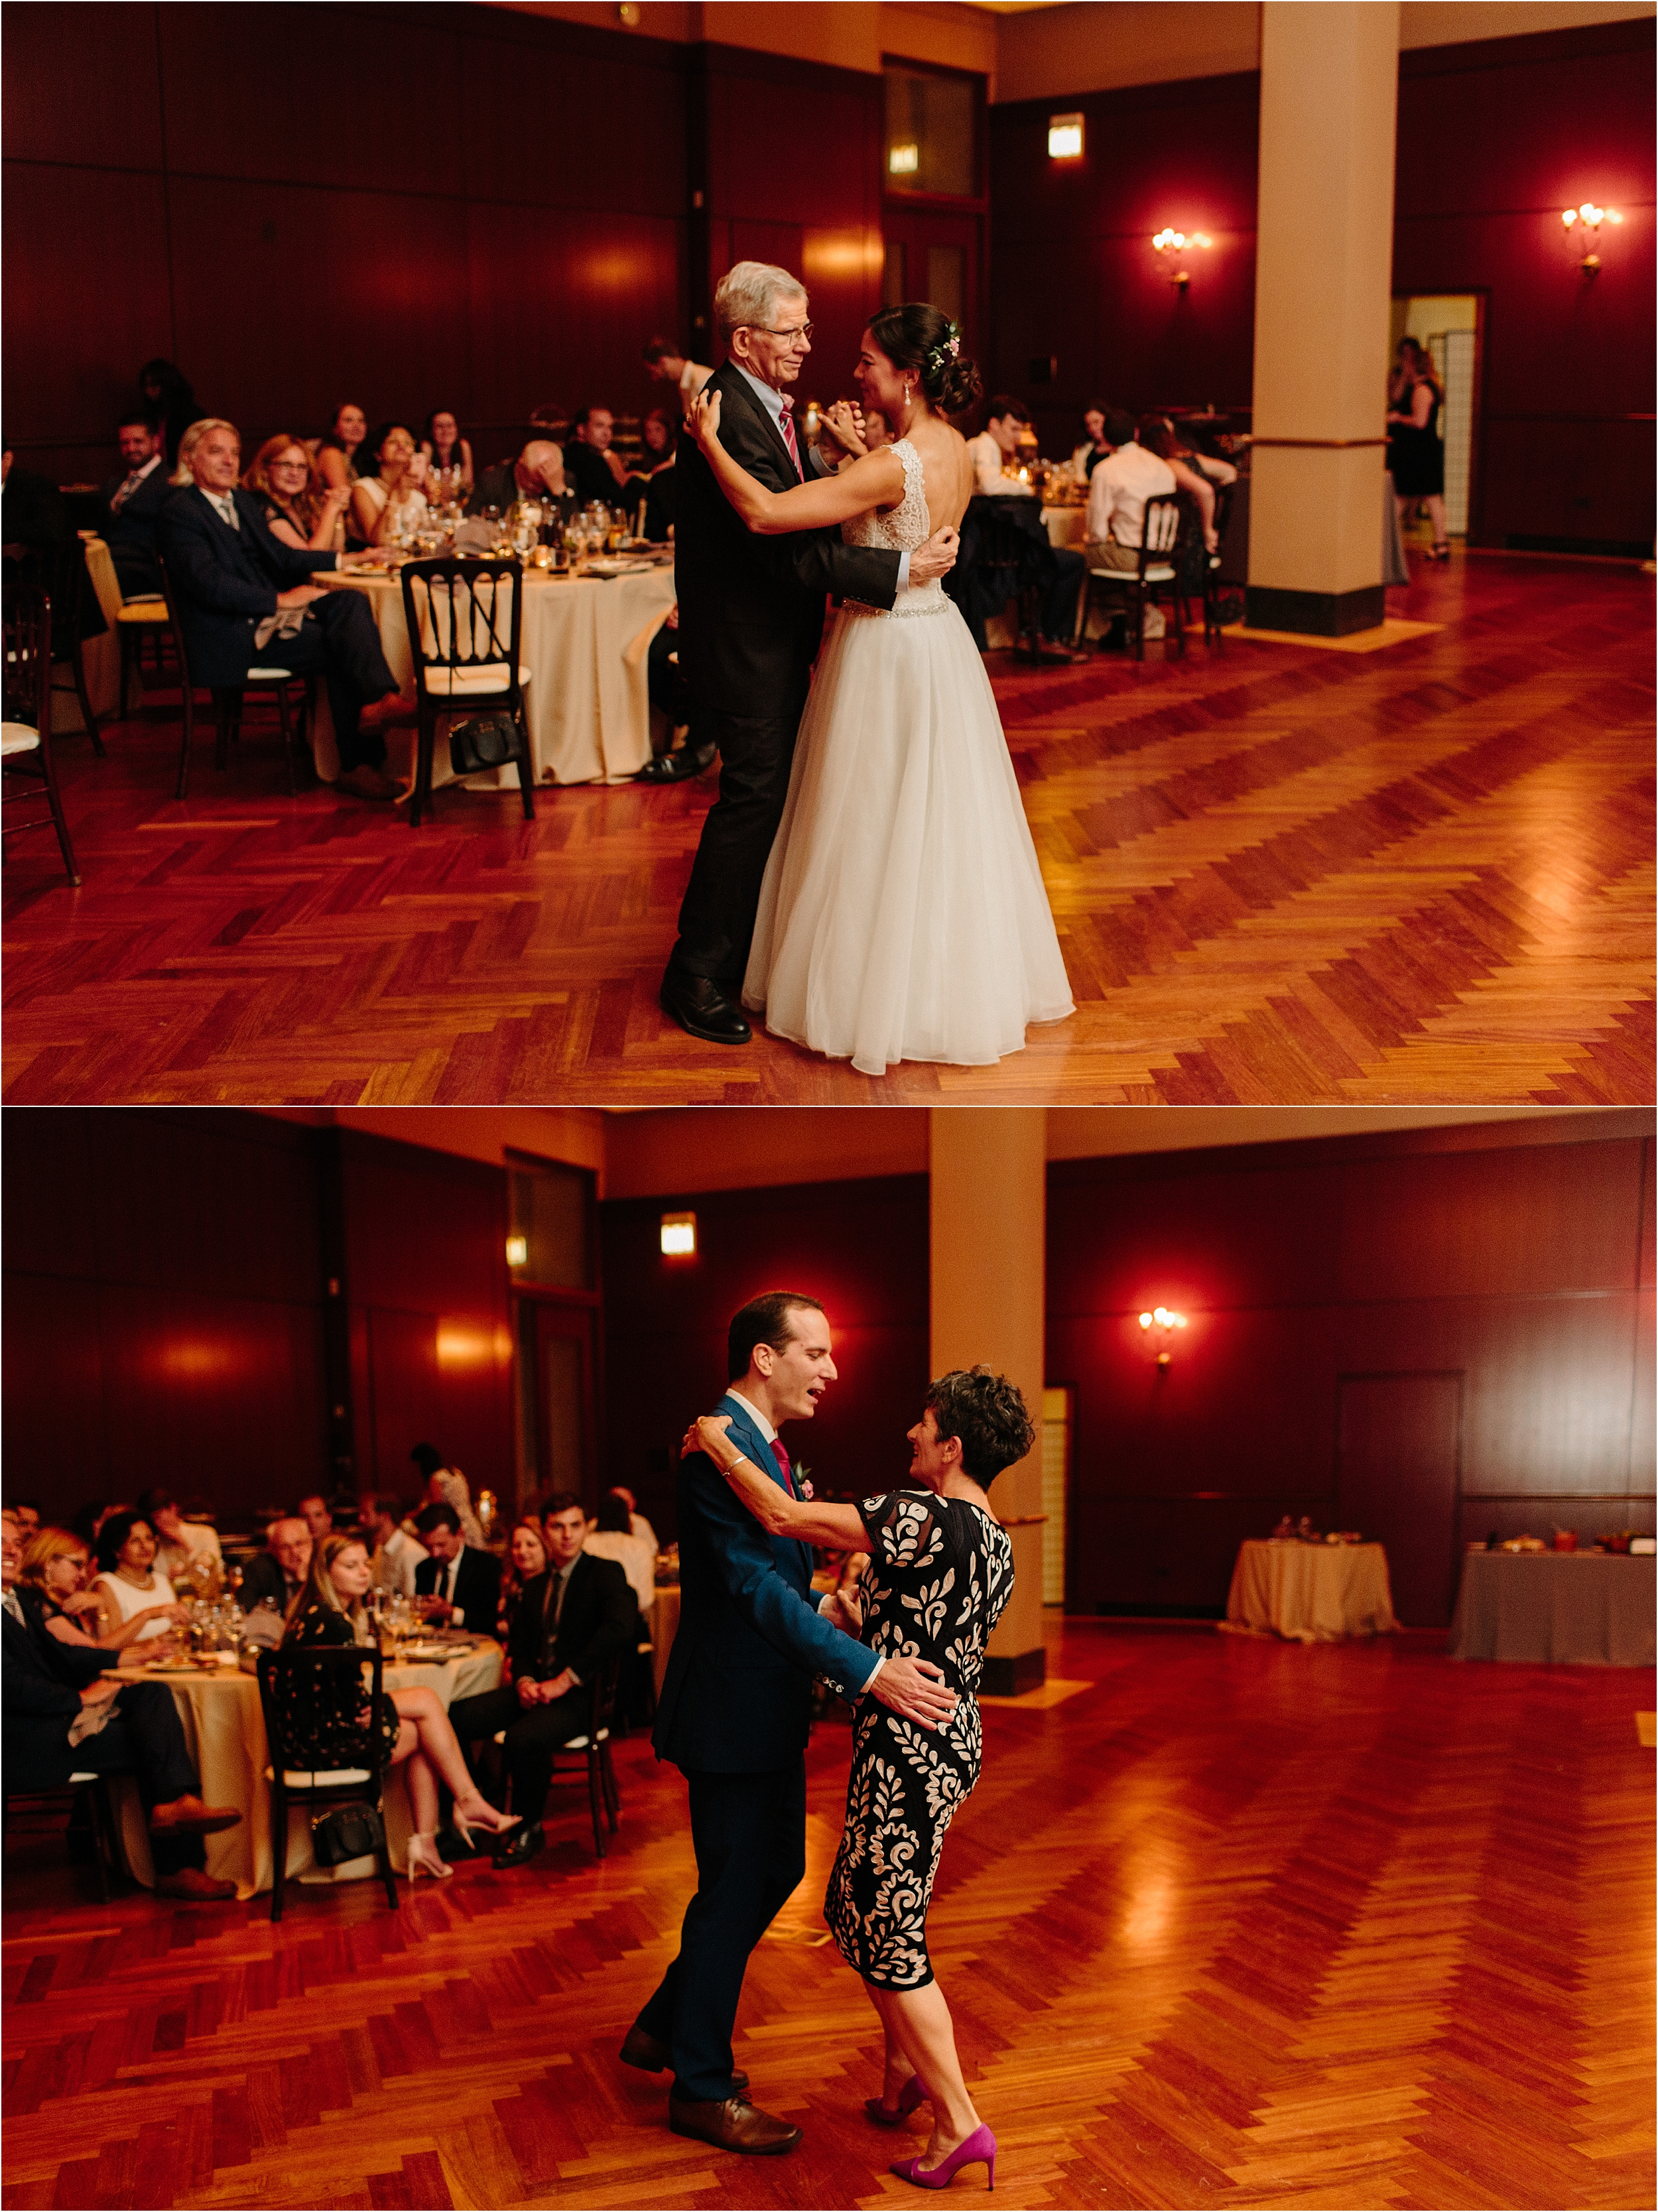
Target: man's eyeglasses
(800, 330)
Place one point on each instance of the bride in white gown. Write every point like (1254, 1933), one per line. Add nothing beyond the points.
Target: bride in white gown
(902, 914)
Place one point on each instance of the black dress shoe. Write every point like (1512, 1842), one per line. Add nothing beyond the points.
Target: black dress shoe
(524, 1843)
(702, 1009)
(677, 767)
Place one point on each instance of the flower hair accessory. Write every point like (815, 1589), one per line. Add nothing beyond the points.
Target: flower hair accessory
(948, 347)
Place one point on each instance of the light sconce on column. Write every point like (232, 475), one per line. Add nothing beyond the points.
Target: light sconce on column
(1064, 138)
(518, 1251)
(1582, 225)
(1165, 1320)
(1173, 243)
(679, 1235)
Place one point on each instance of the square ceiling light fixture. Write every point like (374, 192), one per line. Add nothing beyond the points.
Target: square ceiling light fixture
(1064, 138)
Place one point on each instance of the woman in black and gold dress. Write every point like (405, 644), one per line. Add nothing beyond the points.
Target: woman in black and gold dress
(941, 1570)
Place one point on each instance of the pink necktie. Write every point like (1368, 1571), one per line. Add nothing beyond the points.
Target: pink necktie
(780, 1449)
(786, 425)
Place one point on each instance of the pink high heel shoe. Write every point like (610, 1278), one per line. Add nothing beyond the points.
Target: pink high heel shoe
(884, 2115)
(981, 2144)
(422, 1858)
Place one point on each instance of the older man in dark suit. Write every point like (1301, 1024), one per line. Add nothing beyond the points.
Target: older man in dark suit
(130, 505)
(244, 601)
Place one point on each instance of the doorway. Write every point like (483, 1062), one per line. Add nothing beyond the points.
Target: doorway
(934, 256)
(558, 1423)
(1398, 1480)
(1448, 324)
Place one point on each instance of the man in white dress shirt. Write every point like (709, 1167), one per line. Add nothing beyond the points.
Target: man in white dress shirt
(395, 1554)
(1117, 493)
(668, 365)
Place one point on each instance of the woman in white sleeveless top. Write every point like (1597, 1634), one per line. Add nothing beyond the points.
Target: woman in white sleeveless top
(130, 1586)
(902, 914)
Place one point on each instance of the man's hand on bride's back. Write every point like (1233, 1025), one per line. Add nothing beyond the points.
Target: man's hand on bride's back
(936, 558)
(915, 1688)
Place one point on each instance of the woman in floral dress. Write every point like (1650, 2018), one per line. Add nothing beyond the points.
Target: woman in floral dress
(941, 1570)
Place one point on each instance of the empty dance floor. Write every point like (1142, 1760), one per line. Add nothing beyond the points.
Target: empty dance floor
(1233, 1922)
(1281, 872)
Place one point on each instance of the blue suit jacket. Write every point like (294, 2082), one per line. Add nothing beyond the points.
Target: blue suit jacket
(737, 1697)
(225, 580)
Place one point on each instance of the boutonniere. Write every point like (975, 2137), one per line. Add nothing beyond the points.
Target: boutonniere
(802, 1479)
(805, 1487)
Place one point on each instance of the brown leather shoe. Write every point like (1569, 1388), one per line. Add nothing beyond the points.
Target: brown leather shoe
(651, 2056)
(189, 1814)
(734, 2125)
(195, 1884)
(367, 782)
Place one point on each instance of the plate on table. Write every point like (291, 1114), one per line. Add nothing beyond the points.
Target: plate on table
(428, 1654)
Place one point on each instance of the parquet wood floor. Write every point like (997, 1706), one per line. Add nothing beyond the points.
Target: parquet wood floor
(1238, 1925)
(1281, 874)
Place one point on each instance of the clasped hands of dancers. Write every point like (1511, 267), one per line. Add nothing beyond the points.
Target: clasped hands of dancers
(903, 1638)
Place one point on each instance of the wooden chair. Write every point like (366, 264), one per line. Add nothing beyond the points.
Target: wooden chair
(93, 1790)
(68, 647)
(465, 621)
(1155, 578)
(593, 1747)
(1008, 544)
(140, 620)
(265, 683)
(25, 715)
(285, 1698)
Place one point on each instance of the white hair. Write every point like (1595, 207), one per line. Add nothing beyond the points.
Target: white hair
(748, 294)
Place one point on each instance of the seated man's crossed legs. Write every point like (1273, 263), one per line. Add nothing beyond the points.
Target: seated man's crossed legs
(532, 1734)
(338, 641)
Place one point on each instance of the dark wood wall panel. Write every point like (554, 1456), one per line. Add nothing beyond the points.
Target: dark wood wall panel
(1512, 1262)
(860, 1247)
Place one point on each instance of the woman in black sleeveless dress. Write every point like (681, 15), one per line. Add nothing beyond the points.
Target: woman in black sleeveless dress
(940, 1571)
(1415, 455)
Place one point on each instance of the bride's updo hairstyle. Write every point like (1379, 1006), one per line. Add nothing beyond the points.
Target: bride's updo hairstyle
(918, 337)
(986, 1411)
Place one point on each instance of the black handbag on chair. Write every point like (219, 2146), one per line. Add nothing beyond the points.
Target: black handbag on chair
(483, 741)
(345, 1832)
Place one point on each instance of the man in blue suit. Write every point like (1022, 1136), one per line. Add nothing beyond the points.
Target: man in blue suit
(734, 1716)
(245, 599)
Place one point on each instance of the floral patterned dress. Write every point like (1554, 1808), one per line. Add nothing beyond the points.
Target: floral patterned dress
(940, 1573)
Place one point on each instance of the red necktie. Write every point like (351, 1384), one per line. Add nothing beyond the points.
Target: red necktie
(786, 425)
(780, 1449)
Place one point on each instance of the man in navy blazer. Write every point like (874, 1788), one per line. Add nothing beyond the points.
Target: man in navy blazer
(232, 579)
(130, 505)
(734, 1716)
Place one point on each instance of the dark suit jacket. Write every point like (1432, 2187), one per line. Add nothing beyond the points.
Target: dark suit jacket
(40, 1683)
(265, 1579)
(226, 582)
(589, 475)
(130, 534)
(751, 608)
(599, 1622)
(737, 1697)
(42, 549)
(477, 1586)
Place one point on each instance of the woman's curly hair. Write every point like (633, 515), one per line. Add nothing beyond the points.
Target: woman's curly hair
(986, 1412)
(919, 337)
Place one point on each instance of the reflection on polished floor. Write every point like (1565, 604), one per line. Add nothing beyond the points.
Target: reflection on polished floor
(1281, 874)
(1241, 1924)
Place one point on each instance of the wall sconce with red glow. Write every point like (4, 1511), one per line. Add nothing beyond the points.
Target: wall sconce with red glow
(1173, 243)
(1165, 1320)
(679, 1236)
(1582, 225)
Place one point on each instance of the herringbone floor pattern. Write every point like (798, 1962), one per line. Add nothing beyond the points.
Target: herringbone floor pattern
(1281, 874)
(1239, 1925)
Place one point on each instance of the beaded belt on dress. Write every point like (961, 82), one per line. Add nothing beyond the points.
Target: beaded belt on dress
(916, 602)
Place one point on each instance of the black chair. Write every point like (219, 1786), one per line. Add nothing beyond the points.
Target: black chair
(91, 1791)
(593, 1747)
(26, 716)
(1155, 578)
(228, 698)
(68, 647)
(1212, 587)
(465, 621)
(297, 1709)
(1015, 555)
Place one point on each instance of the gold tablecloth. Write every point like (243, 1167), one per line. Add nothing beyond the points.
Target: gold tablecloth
(224, 1728)
(665, 1621)
(1311, 1593)
(587, 700)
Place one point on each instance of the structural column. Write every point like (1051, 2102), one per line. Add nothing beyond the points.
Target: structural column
(989, 1196)
(1329, 83)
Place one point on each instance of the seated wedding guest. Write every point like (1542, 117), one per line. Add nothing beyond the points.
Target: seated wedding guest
(656, 476)
(994, 447)
(591, 468)
(448, 1486)
(526, 1557)
(1093, 449)
(668, 691)
(612, 1538)
(179, 1543)
(330, 1612)
(299, 509)
(56, 1563)
(394, 1554)
(1117, 493)
(1193, 473)
(388, 505)
(237, 587)
(537, 473)
(668, 365)
(448, 455)
(317, 1514)
(128, 505)
(339, 445)
(276, 1577)
(40, 548)
(171, 404)
(636, 1521)
(65, 1715)
(457, 1586)
(571, 1622)
(129, 1582)
(25, 1512)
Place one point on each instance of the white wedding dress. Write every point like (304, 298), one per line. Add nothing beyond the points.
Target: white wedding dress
(902, 915)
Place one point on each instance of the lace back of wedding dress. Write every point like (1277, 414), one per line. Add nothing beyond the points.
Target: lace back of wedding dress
(901, 531)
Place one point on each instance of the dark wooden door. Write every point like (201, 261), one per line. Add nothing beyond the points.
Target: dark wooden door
(934, 254)
(566, 1423)
(1399, 1478)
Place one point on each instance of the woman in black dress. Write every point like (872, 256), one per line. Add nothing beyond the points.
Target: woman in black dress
(939, 1572)
(1415, 455)
(413, 1724)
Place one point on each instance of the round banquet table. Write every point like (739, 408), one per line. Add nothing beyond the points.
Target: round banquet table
(224, 1728)
(1310, 1593)
(664, 1622)
(585, 642)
